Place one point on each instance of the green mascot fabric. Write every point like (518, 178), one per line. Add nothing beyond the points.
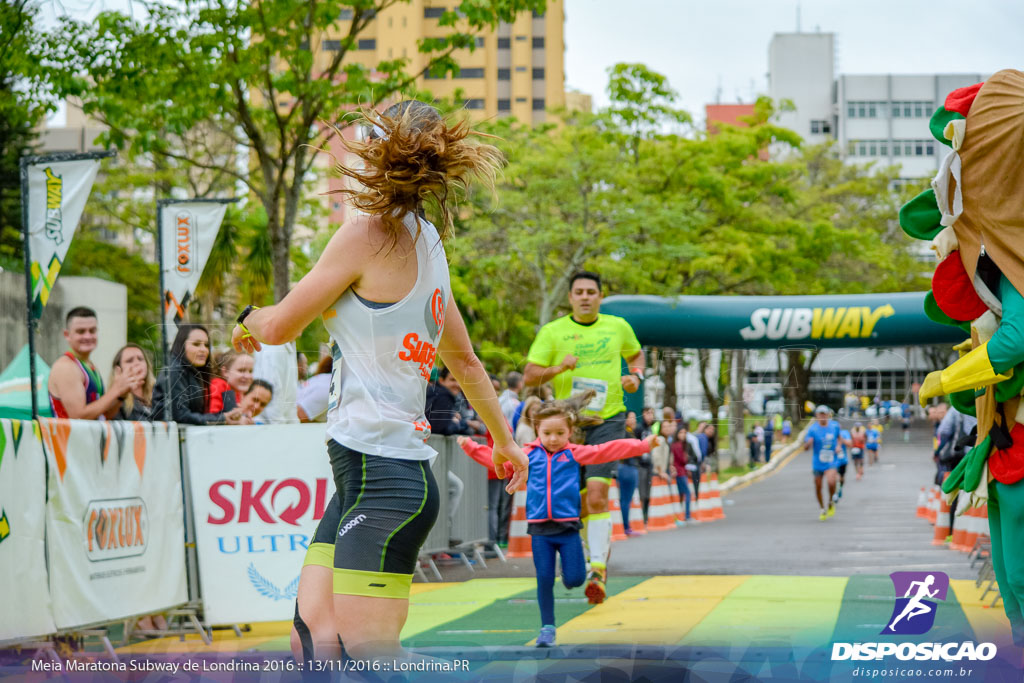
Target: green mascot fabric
(937, 125)
(920, 217)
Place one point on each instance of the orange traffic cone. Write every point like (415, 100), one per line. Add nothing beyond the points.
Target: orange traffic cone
(519, 544)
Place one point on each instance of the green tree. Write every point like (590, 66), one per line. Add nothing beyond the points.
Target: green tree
(245, 72)
(23, 104)
(91, 256)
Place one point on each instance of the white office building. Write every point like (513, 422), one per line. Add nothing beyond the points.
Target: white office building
(879, 118)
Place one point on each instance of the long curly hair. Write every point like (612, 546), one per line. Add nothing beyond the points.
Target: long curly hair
(414, 157)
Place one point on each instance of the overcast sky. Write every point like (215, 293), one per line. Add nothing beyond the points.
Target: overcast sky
(701, 46)
(707, 45)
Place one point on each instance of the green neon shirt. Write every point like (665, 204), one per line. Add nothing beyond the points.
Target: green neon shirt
(599, 348)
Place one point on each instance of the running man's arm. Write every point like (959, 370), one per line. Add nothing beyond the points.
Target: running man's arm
(543, 351)
(612, 450)
(636, 363)
(339, 267)
(456, 350)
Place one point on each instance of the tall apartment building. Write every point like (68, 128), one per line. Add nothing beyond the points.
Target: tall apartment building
(517, 69)
(880, 117)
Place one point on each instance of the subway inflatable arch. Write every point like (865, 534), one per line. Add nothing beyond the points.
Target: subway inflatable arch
(768, 322)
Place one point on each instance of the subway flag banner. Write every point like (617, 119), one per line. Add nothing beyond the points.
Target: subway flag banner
(114, 519)
(57, 192)
(188, 231)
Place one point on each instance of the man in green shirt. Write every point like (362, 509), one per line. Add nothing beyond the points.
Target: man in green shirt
(584, 351)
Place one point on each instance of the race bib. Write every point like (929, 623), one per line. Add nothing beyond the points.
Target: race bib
(581, 384)
(826, 455)
(334, 394)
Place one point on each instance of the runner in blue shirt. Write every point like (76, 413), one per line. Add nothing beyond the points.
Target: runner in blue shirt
(842, 459)
(823, 437)
(873, 440)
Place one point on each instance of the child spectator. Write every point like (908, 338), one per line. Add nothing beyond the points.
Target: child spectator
(553, 499)
(233, 383)
(137, 404)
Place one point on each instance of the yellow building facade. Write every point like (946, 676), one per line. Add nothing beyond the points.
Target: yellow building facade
(517, 69)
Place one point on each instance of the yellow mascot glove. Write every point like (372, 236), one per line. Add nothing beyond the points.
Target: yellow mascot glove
(972, 371)
(931, 387)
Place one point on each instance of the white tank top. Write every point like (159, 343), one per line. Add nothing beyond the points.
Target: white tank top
(383, 358)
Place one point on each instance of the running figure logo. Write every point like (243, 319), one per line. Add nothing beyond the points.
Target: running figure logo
(914, 613)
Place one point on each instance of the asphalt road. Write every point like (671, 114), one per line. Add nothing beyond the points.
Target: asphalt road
(772, 526)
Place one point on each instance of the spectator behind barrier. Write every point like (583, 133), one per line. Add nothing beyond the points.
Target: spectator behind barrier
(138, 404)
(75, 386)
(278, 365)
(440, 409)
(233, 381)
(185, 382)
(260, 394)
(526, 430)
(509, 399)
(314, 393)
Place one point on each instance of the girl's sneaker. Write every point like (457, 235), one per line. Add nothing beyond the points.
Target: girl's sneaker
(546, 638)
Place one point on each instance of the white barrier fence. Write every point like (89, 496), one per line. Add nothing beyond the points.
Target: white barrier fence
(114, 521)
(257, 495)
(26, 609)
(92, 520)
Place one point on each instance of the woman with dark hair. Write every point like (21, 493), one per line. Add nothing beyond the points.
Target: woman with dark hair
(382, 289)
(185, 382)
(137, 404)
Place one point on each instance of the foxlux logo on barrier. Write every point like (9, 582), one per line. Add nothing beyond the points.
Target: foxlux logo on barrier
(914, 614)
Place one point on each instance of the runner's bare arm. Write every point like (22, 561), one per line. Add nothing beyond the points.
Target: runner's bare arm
(631, 382)
(456, 350)
(339, 267)
(534, 375)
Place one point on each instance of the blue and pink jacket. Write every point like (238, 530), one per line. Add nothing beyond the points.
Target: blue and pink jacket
(553, 487)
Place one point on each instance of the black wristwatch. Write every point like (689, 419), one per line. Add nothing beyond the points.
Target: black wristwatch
(245, 314)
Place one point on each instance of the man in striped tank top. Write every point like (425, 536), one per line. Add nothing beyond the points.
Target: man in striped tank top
(75, 385)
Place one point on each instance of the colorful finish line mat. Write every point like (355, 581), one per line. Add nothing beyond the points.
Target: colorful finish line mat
(696, 628)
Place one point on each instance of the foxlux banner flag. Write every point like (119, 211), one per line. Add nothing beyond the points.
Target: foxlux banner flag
(188, 230)
(57, 192)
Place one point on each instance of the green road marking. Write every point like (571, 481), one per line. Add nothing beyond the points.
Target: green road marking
(513, 620)
(795, 611)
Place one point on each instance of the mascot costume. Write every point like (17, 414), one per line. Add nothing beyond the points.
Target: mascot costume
(974, 217)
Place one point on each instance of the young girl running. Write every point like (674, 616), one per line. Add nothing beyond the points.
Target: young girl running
(553, 499)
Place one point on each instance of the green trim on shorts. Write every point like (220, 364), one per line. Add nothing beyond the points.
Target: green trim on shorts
(319, 555)
(384, 550)
(606, 480)
(372, 584)
(362, 488)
